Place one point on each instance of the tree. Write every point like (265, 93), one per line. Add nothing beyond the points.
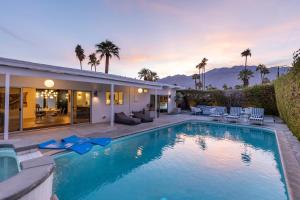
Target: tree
(93, 61)
(210, 87)
(107, 49)
(80, 54)
(204, 63)
(153, 76)
(195, 77)
(202, 75)
(245, 75)
(148, 75)
(225, 87)
(296, 60)
(245, 54)
(238, 87)
(263, 70)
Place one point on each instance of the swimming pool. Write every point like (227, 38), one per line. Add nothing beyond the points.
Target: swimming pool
(192, 160)
(9, 165)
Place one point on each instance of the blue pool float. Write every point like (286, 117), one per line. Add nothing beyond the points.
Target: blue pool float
(78, 144)
(97, 141)
(53, 144)
(81, 148)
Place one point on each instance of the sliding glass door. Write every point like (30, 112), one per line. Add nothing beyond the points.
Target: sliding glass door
(81, 107)
(14, 109)
(46, 108)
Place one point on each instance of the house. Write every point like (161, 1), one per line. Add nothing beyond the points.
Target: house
(43, 96)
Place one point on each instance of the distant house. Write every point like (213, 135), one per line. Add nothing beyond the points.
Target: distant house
(42, 95)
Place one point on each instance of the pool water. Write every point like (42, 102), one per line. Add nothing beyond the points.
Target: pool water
(189, 161)
(9, 165)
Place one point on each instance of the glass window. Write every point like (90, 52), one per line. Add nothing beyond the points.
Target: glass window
(118, 98)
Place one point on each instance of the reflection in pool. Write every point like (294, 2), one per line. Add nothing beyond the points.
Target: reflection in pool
(191, 161)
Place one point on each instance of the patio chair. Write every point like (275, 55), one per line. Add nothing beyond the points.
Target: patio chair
(234, 114)
(208, 110)
(142, 116)
(121, 118)
(218, 112)
(195, 110)
(257, 116)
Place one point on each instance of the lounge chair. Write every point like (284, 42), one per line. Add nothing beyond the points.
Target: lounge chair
(257, 116)
(142, 116)
(234, 115)
(218, 112)
(195, 110)
(124, 119)
(207, 110)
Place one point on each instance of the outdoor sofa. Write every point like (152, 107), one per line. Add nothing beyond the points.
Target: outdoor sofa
(121, 118)
(143, 116)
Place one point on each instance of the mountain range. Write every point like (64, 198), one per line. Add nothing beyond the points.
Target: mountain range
(219, 76)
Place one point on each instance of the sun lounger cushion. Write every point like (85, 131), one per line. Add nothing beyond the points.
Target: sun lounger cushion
(232, 116)
(256, 118)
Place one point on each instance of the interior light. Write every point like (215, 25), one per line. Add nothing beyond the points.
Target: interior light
(145, 90)
(49, 83)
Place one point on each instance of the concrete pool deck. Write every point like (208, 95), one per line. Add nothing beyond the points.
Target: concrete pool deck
(289, 145)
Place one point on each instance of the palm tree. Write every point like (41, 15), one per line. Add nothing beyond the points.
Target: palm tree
(202, 75)
(148, 75)
(245, 75)
(143, 74)
(246, 53)
(107, 49)
(153, 76)
(263, 71)
(199, 67)
(93, 61)
(195, 77)
(80, 54)
(204, 63)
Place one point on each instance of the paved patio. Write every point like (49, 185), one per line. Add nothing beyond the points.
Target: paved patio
(289, 145)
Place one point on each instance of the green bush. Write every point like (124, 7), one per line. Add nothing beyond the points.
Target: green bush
(261, 96)
(287, 89)
(257, 96)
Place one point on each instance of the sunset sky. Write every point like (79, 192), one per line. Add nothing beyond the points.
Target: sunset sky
(169, 37)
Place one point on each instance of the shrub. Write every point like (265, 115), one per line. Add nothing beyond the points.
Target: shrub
(287, 89)
(257, 96)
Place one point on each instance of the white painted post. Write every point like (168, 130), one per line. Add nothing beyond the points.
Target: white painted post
(155, 104)
(6, 106)
(112, 111)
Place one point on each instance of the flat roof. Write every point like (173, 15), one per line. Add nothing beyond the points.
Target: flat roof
(71, 71)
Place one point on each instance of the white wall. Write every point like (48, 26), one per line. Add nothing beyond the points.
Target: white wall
(100, 111)
(132, 102)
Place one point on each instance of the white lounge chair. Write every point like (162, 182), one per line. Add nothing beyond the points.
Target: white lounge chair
(257, 116)
(218, 113)
(234, 114)
(195, 110)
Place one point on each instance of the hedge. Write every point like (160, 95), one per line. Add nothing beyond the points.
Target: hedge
(287, 90)
(257, 96)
